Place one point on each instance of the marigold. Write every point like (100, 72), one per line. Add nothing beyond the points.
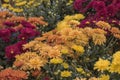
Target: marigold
(102, 65)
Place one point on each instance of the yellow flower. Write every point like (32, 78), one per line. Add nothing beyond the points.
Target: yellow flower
(56, 61)
(80, 70)
(30, 60)
(17, 10)
(66, 74)
(5, 5)
(6, 1)
(64, 51)
(61, 25)
(115, 66)
(35, 63)
(79, 16)
(77, 48)
(102, 65)
(21, 3)
(104, 77)
(99, 39)
(65, 65)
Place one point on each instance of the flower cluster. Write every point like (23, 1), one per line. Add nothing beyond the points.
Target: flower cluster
(10, 74)
(16, 31)
(99, 10)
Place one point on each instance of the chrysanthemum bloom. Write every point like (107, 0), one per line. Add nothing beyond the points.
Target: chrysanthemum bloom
(30, 60)
(115, 65)
(104, 77)
(13, 50)
(104, 25)
(27, 24)
(5, 34)
(65, 65)
(66, 74)
(79, 49)
(102, 65)
(27, 33)
(10, 74)
(56, 61)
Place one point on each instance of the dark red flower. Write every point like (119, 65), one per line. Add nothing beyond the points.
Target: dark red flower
(9, 24)
(11, 51)
(27, 24)
(5, 34)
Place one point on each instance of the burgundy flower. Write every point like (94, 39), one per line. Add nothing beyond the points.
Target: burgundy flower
(46, 78)
(101, 14)
(78, 4)
(98, 5)
(20, 45)
(111, 10)
(27, 24)
(27, 33)
(5, 34)
(9, 24)
(11, 51)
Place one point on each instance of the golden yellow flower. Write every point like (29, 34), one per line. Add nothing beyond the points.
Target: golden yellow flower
(77, 48)
(104, 77)
(66, 74)
(80, 70)
(6, 1)
(103, 25)
(30, 60)
(56, 61)
(98, 39)
(64, 50)
(115, 65)
(21, 3)
(79, 16)
(102, 65)
(5, 5)
(65, 65)
(61, 25)
(35, 63)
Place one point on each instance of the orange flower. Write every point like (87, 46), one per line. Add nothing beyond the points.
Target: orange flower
(36, 73)
(10, 74)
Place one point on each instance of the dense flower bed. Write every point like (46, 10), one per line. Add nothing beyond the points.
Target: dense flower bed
(83, 42)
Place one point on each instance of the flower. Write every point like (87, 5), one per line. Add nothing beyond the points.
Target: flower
(35, 63)
(77, 48)
(65, 65)
(11, 51)
(115, 65)
(80, 70)
(56, 61)
(102, 65)
(104, 77)
(27, 24)
(104, 25)
(66, 73)
(30, 61)
(5, 34)
(16, 74)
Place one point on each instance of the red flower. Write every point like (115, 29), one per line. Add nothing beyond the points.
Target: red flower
(5, 34)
